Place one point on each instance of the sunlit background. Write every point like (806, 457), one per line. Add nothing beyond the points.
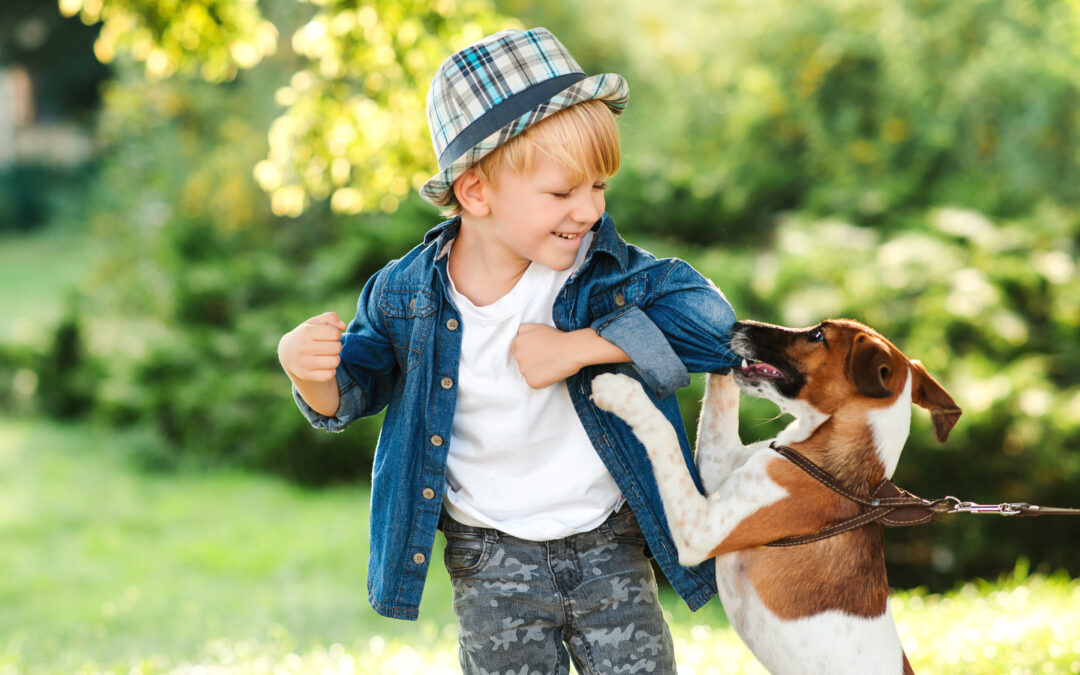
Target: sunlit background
(183, 182)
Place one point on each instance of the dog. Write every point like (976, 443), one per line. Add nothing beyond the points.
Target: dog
(819, 607)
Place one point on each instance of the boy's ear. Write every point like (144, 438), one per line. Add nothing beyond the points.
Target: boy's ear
(470, 193)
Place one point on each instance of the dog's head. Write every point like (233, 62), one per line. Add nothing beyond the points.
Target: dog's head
(837, 367)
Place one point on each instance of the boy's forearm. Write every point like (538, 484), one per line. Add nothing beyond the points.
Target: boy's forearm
(323, 397)
(547, 355)
(593, 350)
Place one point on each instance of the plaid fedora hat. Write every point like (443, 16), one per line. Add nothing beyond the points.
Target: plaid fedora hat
(492, 90)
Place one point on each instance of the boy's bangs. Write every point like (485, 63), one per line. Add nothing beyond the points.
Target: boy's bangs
(583, 139)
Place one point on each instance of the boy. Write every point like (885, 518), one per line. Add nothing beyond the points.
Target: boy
(481, 343)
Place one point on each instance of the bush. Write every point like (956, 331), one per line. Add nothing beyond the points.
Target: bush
(741, 110)
(202, 279)
(992, 309)
(32, 195)
(205, 369)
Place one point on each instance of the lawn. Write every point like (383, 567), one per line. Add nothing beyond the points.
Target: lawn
(109, 568)
(37, 270)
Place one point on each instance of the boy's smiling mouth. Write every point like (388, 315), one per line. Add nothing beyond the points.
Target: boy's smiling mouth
(566, 235)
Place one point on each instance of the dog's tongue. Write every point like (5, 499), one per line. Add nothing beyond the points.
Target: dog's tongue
(762, 370)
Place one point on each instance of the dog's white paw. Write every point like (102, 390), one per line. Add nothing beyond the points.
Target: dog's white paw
(616, 393)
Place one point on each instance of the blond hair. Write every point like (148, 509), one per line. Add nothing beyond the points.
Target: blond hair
(583, 139)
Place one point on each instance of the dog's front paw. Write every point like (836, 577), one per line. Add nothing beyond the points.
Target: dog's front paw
(616, 393)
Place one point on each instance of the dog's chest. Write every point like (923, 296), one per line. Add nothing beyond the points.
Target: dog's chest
(826, 642)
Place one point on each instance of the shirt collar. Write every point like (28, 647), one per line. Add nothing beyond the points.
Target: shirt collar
(606, 239)
(442, 234)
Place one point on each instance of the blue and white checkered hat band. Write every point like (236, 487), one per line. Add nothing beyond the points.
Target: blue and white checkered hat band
(493, 90)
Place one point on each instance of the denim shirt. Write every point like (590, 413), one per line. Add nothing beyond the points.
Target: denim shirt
(401, 353)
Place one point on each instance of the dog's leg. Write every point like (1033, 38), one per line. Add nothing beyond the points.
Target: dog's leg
(686, 509)
(719, 449)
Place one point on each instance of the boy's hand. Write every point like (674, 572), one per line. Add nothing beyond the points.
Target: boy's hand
(547, 355)
(311, 350)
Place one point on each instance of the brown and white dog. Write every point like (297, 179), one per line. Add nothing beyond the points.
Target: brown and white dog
(820, 607)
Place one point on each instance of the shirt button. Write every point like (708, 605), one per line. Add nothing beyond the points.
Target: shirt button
(619, 300)
(446, 383)
(412, 303)
(428, 493)
(452, 324)
(419, 558)
(436, 440)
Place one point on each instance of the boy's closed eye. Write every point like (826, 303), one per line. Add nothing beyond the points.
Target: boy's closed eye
(601, 186)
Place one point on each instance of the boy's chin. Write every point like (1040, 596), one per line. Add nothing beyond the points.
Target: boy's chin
(555, 263)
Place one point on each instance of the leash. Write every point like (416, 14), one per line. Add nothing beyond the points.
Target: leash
(895, 507)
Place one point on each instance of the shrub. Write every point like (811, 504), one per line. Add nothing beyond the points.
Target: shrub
(992, 309)
(202, 280)
(742, 110)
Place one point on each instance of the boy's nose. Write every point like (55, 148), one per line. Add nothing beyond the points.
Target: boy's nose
(589, 207)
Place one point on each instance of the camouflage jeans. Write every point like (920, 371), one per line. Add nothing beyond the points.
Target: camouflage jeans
(519, 602)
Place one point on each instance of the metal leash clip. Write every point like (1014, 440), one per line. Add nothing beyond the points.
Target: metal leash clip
(1007, 509)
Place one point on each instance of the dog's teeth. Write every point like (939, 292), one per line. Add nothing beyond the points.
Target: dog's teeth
(745, 363)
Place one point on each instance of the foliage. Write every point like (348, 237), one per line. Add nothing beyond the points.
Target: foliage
(211, 279)
(741, 110)
(34, 195)
(232, 572)
(355, 126)
(204, 275)
(212, 39)
(44, 363)
(852, 108)
(992, 309)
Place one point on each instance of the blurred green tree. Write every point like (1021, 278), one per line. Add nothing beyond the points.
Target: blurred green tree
(742, 110)
(354, 128)
(209, 38)
(205, 273)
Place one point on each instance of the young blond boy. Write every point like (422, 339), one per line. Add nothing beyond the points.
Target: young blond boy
(481, 342)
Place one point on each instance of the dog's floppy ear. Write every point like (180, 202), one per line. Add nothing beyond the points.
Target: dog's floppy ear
(870, 366)
(927, 393)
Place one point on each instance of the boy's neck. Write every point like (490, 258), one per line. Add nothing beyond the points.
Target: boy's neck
(482, 268)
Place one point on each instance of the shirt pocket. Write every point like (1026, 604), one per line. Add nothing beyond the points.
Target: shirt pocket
(628, 292)
(409, 314)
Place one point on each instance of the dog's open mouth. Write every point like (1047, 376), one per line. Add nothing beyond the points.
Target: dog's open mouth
(759, 370)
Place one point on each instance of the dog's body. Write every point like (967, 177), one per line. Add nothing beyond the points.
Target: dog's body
(820, 607)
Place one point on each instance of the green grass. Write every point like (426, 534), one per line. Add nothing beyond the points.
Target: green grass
(36, 270)
(106, 568)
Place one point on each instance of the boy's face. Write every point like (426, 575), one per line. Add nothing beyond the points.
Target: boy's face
(542, 215)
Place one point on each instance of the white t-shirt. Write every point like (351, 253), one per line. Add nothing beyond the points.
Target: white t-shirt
(519, 459)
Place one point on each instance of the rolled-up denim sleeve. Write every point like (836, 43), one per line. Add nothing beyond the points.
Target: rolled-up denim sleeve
(632, 331)
(368, 369)
(351, 405)
(694, 316)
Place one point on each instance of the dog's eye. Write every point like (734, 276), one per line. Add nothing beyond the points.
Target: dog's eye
(817, 335)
